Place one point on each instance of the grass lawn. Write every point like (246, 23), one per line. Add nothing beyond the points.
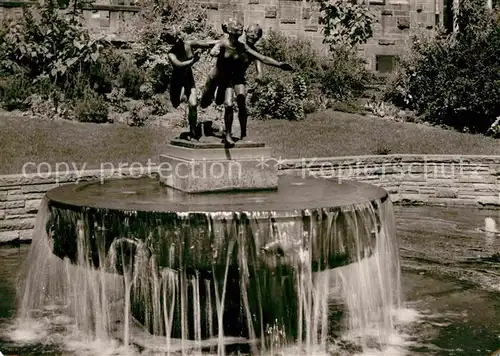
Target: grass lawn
(323, 134)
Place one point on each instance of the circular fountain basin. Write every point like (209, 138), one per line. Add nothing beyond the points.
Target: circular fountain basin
(146, 194)
(260, 246)
(275, 225)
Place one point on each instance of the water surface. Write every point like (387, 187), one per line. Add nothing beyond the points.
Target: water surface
(451, 282)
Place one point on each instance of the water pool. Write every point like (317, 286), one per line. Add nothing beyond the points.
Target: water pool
(451, 283)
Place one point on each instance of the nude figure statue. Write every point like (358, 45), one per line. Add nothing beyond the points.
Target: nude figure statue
(182, 56)
(234, 56)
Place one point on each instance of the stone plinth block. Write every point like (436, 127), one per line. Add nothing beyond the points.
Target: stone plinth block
(201, 167)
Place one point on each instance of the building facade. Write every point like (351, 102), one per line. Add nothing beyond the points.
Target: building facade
(396, 21)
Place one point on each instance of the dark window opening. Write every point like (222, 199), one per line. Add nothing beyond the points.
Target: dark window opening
(385, 63)
(448, 15)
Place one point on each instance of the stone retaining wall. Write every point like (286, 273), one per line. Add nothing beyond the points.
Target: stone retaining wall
(416, 179)
(410, 179)
(20, 197)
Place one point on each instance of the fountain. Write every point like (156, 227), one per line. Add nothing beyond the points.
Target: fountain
(250, 262)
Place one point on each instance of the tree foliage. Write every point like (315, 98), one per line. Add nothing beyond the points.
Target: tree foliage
(345, 23)
(454, 79)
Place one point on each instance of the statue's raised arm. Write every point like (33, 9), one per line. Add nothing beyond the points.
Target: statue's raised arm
(265, 59)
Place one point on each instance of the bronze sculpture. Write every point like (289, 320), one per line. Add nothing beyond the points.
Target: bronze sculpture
(182, 56)
(234, 56)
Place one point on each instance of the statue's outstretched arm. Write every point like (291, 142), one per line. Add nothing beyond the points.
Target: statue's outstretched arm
(216, 49)
(204, 43)
(267, 60)
(179, 64)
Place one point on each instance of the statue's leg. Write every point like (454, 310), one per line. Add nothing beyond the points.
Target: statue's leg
(183, 94)
(175, 92)
(207, 96)
(220, 97)
(242, 108)
(228, 116)
(193, 112)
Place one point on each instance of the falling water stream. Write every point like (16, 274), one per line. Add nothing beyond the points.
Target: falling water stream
(449, 280)
(215, 283)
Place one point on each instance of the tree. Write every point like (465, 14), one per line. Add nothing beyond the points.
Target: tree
(345, 23)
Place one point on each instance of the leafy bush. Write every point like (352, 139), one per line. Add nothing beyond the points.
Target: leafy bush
(454, 79)
(279, 97)
(297, 51)
(130, 77)
(152, 23)
(325, 79)
(102, 75)
(51, 43)
(160, 104)
(139, 115)
(344, 75)
(91, 108)
(14, 90)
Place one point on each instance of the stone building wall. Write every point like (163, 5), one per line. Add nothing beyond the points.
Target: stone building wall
(409, 179)
(397, 19)
(293, 17)
(104, 17)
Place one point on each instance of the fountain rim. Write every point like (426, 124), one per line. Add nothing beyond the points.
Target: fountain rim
(57, 197)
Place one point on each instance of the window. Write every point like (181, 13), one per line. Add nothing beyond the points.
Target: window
(385, 63)
(448, 15)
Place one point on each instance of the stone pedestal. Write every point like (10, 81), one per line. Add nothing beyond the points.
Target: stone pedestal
(209, 166)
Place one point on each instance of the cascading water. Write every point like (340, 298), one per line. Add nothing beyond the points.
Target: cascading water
(209, 279)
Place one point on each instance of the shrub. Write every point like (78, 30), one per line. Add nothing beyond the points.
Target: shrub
(139, 115)
(14, 90)
(310, 106)
(279, 97)
(337, 77)
(91, 108)
(161, 104)
(103, 73)
(152, 23)
(55, 55)
(344, 76)
(130, 77)
(297, 51)
(454, 79)
(52, 43)
(159, 76)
